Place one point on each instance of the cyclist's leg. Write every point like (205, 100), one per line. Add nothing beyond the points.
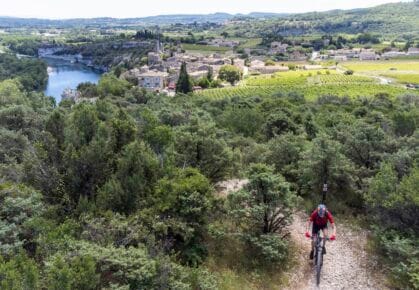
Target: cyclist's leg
(313, 241)
(325, 236)
(314, 232)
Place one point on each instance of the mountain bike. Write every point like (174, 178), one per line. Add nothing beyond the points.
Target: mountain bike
(318, 255)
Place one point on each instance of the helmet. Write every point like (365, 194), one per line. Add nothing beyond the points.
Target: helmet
(321, 210)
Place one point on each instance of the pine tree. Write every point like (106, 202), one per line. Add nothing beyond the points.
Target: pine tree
(184, 84)
(210, 75)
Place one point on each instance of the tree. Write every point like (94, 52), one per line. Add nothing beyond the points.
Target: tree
(261, 213)
(383, 187)
(111, 85)
(123, 130)
(88, 90)
(203, 83)
(242, 120)
(184, 201)
(364, 144)
(284, 153)
(19, 206)
(395, 204)
(210, 74)
(59, 274)
(83, 125)
(13, 145)
(269, 62)
(11, 93)
(266, 205)
(55, 125)
(132, 184)
(394, 207)
(184, 84)
(325, 162)
(230, 73)
(405, 123)
(279, 123)
(224, 34)
(19, 272)
(202, 149)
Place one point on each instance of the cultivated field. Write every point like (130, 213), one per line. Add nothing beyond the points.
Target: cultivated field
(204, 48)
(311, 84)
(400, 71)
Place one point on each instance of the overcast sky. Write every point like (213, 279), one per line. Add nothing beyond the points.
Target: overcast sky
(137, 8)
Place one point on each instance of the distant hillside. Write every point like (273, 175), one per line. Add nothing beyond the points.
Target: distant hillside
(6, 22)
(394, 18)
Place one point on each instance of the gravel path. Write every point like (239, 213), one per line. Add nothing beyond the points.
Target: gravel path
(346, 266)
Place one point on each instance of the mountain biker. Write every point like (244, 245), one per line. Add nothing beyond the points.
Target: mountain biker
(319, 218)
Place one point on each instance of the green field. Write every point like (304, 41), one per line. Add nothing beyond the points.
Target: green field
(340, 79)
(251, 43)
(400, 71)
(204, 48)
(404, 78)
(312, 84)
(310, 92)
(383, 66)
(285, 78)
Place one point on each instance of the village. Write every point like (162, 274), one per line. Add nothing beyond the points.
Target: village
(154, 64)
(161, 72)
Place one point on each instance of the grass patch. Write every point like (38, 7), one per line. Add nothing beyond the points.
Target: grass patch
(382, 66)
(229, 261)
(404, 78)
(341, 79)
(251, 43)
(205, 48)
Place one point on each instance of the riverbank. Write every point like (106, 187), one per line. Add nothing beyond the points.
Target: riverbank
(64, 75)
(76, 59)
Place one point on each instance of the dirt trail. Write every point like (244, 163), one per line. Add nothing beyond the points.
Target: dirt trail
(347, 264)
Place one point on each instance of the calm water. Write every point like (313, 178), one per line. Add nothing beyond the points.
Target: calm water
(63, 75)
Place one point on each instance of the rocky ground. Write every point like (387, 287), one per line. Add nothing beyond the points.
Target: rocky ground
(225, 187)
(347, 265)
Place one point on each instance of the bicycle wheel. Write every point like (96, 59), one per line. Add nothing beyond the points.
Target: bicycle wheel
(319, 263)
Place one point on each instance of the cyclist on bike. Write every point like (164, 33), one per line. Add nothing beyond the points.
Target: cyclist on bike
(319, 218)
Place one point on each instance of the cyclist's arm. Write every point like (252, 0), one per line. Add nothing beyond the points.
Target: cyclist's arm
(309, 222)
(332, 223)
(333, 228)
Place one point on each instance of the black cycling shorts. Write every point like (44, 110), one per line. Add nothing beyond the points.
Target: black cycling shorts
(317, 228)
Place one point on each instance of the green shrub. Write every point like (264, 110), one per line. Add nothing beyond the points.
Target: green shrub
(19, 273)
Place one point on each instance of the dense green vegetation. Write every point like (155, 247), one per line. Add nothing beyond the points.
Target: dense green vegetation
(31, 73)
(119, 193)
(120, 190)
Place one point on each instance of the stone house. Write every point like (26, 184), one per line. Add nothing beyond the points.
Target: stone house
(368, 55)
(153, 80)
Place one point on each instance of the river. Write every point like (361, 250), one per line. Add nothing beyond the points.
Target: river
(64, 74)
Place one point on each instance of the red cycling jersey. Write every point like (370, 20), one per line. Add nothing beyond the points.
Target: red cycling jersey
(321, 221)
